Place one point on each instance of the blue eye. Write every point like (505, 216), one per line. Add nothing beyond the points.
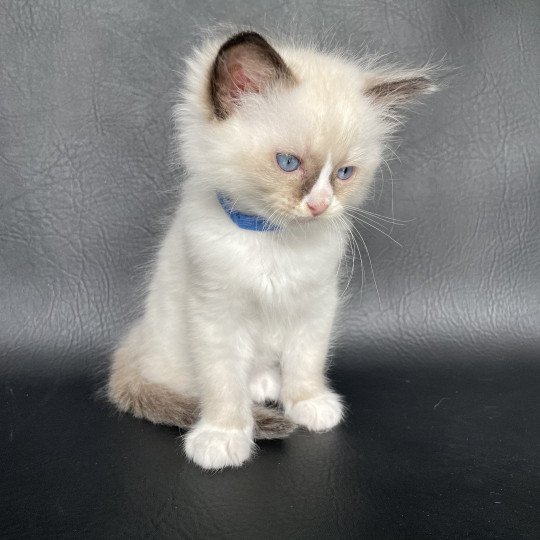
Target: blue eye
(287, 162)
(345, 172)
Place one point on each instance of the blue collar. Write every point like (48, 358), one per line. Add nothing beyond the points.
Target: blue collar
(245, 221)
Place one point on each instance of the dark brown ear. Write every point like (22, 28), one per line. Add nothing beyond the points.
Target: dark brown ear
(394, 89)
(245, 63)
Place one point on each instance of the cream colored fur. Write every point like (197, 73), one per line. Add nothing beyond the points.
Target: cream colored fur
(234, 317)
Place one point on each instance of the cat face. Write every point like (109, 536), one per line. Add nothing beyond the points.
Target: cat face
(293, 137)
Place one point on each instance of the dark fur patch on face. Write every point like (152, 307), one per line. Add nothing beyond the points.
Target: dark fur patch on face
(399, 91)
(308, 181)
(255, 48)
(312, 169)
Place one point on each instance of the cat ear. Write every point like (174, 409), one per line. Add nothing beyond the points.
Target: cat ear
(245, 63)
(393, 89)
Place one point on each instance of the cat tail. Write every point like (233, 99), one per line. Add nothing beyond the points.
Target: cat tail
(130, 392)
(271, 423)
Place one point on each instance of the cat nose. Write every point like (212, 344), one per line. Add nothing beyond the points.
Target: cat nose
(317, 207)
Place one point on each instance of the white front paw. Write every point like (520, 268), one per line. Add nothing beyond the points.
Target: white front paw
(215, 448)
(265, 386)
(320, 413)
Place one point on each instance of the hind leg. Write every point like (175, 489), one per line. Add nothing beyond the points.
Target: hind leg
(159, 400)
(265, 385)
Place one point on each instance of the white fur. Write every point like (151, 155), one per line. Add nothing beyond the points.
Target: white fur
(235, 316)
(320, 413)
(214, 448)
(265, 385)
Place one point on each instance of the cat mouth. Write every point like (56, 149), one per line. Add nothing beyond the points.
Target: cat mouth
(306, 219)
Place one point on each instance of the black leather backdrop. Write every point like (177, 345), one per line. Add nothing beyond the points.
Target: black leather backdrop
(442, 376)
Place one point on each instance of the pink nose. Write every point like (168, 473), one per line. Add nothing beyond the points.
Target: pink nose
(318, 207)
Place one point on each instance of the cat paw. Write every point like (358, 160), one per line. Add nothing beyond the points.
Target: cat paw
(265, 386)
(215, 448)
(320, 413)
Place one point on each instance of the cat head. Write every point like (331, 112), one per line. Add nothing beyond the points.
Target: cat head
(288, 133)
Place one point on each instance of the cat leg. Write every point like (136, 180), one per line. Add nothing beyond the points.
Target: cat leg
(265, 384)
(305, 395)
(162, 400)
(221, 352)
(223, 436)
(319, 413)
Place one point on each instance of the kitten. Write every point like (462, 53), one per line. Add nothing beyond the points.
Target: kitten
(239, 312)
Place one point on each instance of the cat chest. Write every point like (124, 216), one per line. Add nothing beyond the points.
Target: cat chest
(290, 280)
(271, 274)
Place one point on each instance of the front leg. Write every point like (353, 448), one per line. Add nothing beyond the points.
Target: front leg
(305, 394)
(221, 352)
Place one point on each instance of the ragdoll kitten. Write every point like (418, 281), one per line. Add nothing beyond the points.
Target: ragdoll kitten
(239, 312)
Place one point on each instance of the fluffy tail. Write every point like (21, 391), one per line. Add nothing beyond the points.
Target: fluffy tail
(130, 392)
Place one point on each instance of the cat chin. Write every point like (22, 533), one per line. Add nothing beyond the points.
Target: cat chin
(323, 218)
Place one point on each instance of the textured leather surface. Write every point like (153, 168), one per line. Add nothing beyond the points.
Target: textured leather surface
(426, 452)
(85, 182)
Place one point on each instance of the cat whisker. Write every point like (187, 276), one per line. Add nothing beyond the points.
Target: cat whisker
(387, 219)
(370, 263)
(393, 152)
(377, 228)
(370, 219)
(362, 267)
(354, 245)
(335, 228)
